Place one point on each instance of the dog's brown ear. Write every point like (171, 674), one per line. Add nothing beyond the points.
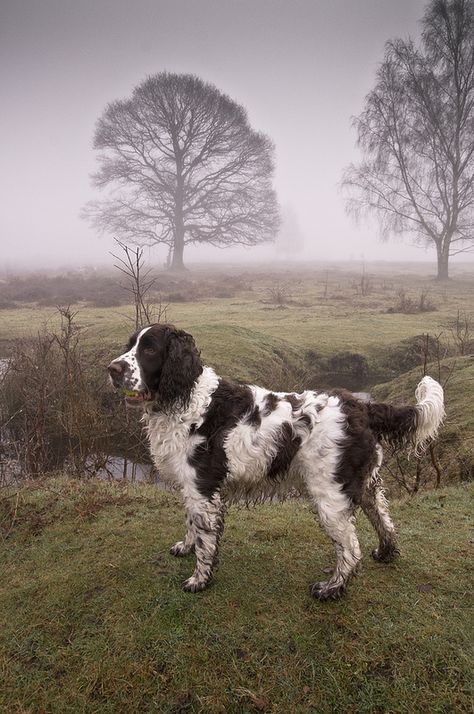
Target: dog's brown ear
(181, 368)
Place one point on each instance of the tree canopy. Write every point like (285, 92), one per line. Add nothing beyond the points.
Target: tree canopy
(416, 133)
(181, 165)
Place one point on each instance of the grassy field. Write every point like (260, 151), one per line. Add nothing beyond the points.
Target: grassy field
(93, 618)
(253, 337)
(305, 327)
(92, 615)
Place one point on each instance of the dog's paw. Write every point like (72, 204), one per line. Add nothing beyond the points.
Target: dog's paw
(386, 554)
(325, 591)
(194, 585)
(180, 549)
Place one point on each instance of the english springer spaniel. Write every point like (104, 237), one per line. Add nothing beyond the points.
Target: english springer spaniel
(221, 441)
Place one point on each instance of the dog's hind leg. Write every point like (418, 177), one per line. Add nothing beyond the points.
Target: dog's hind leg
(208, 521)
(375, 507)
(338, 520)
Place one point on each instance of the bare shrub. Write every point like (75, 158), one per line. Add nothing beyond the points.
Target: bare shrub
(139, 284)
(279, 294)
(48, 402)
(408, 354)
(407, 305)
(55, 410)
(462, 332)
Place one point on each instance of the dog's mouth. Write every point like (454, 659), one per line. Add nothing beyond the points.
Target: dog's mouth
(133, 397)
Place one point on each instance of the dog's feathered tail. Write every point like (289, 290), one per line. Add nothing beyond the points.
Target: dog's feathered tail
(414, 425)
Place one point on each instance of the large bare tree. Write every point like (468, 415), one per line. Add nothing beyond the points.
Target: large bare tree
(181, 165)
(416, 133)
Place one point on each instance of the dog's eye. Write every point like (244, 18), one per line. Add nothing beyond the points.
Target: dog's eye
(149, 350)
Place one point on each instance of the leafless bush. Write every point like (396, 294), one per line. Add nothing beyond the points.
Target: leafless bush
(279, 294)
(46, 404)
(407, 305)
(54, 411)
(462, 332)
(139, 284)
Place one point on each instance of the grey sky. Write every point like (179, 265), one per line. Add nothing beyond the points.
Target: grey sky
(301, 68)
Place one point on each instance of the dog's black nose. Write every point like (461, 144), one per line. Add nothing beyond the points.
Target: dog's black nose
(116, 368)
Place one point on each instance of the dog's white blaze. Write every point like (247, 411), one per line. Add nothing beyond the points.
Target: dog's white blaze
(135, 379)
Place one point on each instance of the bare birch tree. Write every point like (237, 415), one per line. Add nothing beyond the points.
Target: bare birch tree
(182, 166)
(416, 134)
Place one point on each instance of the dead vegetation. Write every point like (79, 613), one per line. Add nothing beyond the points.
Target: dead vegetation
(56, 411)
(408, 305)
(140, 285)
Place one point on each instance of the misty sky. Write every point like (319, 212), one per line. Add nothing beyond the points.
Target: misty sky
(300, 67)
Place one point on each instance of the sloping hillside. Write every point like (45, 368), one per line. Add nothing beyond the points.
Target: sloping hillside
(94, 620)
(455, 446)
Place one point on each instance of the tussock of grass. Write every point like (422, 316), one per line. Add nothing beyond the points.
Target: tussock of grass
(93, 618)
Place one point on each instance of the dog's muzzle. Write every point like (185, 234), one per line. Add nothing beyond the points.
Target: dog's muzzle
(117, 370)
(122, 380)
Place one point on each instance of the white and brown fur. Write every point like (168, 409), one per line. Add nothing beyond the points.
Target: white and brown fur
(222, 442)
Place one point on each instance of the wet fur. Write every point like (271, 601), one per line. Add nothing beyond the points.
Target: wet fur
(222, 442)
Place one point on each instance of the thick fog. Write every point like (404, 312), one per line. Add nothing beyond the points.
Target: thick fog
(300, 67)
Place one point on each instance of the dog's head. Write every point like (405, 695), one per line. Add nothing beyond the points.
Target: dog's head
(160, 364)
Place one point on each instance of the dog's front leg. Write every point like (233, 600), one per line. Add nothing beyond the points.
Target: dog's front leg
(208, 520)
(186, 546)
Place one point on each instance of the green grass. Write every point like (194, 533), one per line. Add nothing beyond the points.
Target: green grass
(93, 618)
(239, 335)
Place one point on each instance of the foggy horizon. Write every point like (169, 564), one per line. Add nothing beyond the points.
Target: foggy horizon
(300, 69)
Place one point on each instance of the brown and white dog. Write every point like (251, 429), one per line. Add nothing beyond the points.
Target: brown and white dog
(221, 441)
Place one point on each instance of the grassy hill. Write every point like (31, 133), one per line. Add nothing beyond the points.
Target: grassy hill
(93, 618)
(455, 445)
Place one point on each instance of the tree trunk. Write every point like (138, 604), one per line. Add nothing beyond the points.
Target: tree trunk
(443, 260)
(178, 247)
(178, 250)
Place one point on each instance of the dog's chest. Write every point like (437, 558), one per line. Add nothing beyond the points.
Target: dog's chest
(170, 445)
(171, 440)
